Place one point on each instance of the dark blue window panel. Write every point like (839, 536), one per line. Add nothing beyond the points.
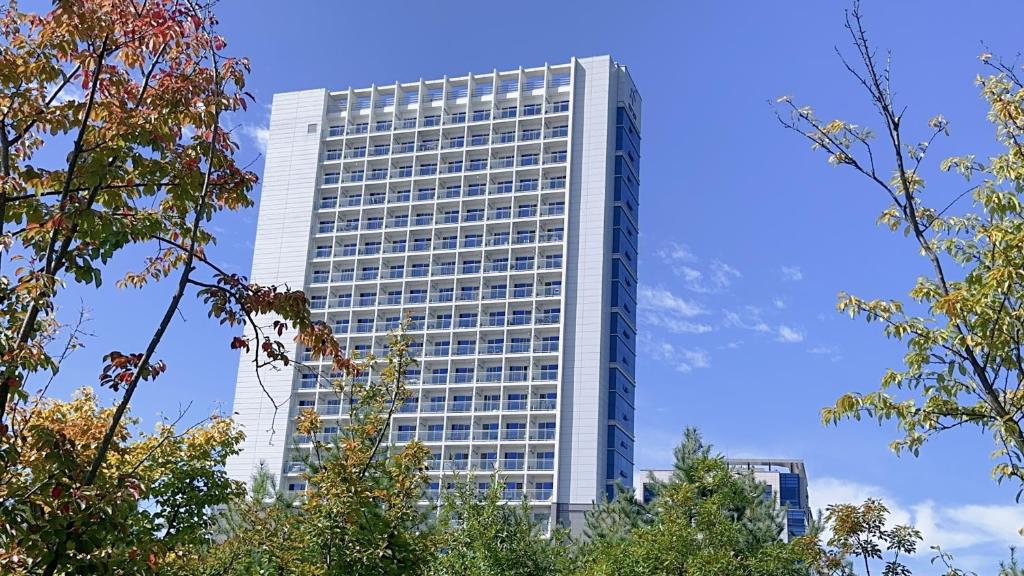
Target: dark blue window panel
(629, 257)
(628, 148)
(619, 381)
(623, 355)
(620, 441)
(622, 118)
(623, 241)
(796, 522)
(621, 272)
(629, 204)
(789, 490)
(624, 301)
(621, 412)
(626, 224)
(620, 469)
(624, 331)
(626, 188)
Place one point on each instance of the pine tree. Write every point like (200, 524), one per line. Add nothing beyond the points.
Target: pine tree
(615, 519)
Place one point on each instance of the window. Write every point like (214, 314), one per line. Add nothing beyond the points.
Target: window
(532, 109)
(558, 107)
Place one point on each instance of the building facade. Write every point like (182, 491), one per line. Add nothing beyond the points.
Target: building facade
(785, 484)
(498, 213)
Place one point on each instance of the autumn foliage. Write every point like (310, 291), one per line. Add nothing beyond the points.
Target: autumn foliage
(132, 95)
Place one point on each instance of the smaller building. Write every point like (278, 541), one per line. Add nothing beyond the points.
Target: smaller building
(785, 484)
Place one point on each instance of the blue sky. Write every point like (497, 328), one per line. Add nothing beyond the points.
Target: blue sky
(746, 235)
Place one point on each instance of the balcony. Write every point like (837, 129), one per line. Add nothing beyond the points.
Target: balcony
(545, 375)
(545, 347)
(440, 324)
(539, 494)
(542, 434)
(542, 464)
(549, 318)
(488, 435)
(519, 347)
(514, 495)
(515, 434)
(460, 464)
(513, 464)
(485, 463)
(458, 436)
(404, 436)
(544, 403)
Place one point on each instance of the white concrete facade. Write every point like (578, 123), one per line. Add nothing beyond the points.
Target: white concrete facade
(465, 204)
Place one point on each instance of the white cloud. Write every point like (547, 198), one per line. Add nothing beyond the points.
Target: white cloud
(661, 308)
(259, 135)
(792, 273)
(779, 303)
(752, 321)
(789, 335)
(683, 360)
(734, 344)
(951, 526)
(676, 252)
(662, 300)
(715, 277)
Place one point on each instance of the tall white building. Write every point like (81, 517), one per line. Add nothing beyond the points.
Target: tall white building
(498, 211)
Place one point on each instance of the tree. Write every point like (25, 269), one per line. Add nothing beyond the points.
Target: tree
(762, 521)
(478, 535)
(359, 514)
(615, 519)
(254, 535)
(964, 327)
(135, 92)
(702, 522)
(150, 499)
